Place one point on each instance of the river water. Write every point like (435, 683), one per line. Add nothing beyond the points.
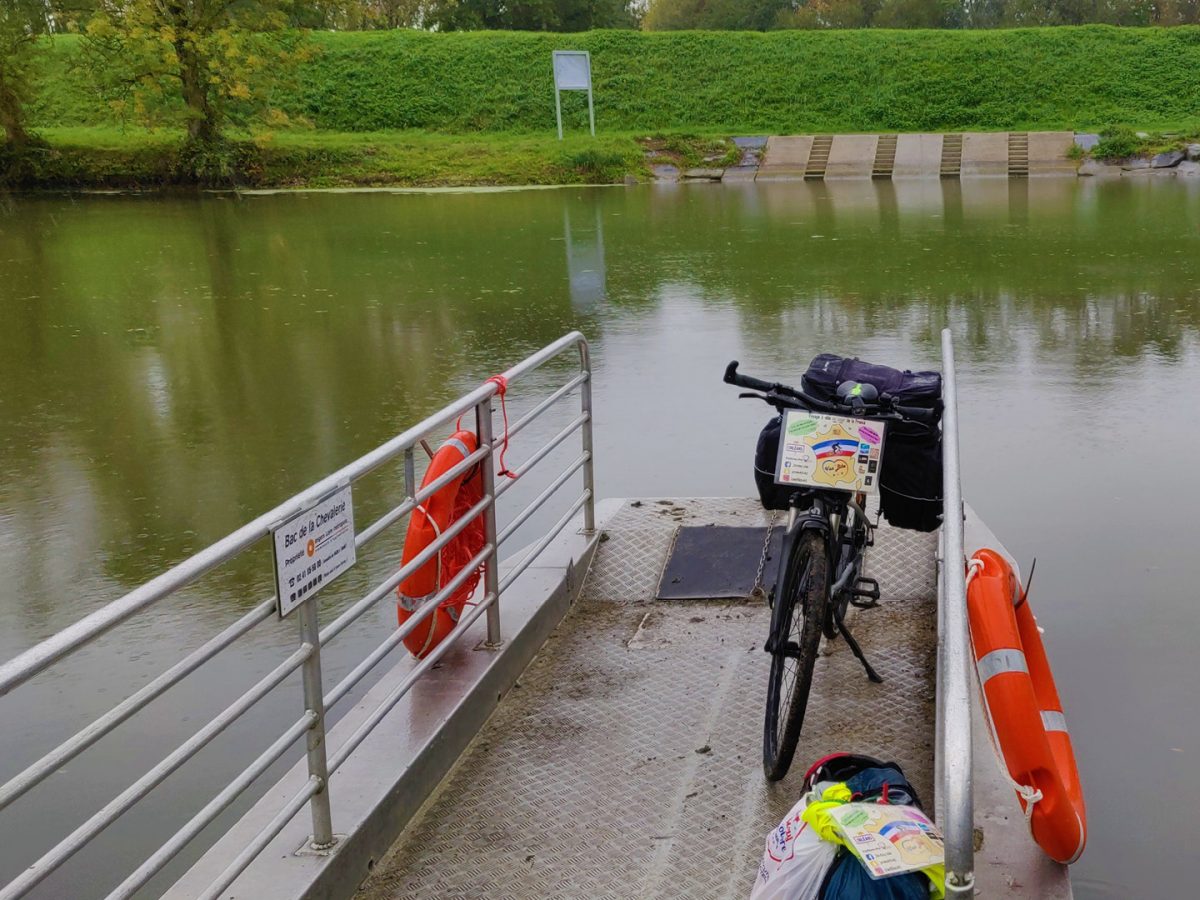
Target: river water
(172, 367)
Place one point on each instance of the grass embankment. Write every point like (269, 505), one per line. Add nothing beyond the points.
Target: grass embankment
(107, 156)
(468, 108)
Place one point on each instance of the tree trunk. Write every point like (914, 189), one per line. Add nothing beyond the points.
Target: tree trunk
(11, 119)
(202, 123)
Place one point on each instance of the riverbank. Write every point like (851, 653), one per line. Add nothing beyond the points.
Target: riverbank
(425, 110)
(109, 157)
(112, 158)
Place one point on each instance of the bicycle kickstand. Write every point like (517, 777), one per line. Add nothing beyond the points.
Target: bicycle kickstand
(857, 650)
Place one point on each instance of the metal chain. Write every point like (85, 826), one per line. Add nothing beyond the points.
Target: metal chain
(757, 590)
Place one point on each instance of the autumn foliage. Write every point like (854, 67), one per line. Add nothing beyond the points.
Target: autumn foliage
(223, 58)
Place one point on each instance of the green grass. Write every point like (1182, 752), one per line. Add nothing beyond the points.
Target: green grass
(779, 82)
(415, 108)
(108, 156)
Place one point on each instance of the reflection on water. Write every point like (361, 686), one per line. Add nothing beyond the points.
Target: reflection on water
(585, 262)
(172, 367)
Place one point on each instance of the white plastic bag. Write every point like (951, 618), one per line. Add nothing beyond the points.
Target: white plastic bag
(795, 860)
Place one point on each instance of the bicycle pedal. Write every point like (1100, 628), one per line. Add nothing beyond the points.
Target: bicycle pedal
(870, 592)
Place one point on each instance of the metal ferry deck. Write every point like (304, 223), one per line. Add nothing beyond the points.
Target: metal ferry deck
(576, 736)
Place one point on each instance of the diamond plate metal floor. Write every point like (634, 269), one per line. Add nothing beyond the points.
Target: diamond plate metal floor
(626, 763)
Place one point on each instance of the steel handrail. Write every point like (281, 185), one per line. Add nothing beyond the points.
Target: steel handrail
(34, 660)
(523, 516)
(385, 706)
(585, 502)
(312, 788)
(423, 612)
(81, 836)
(180, 839)
(541, 454)
(955, 660)
(51, 762)
(307, 656)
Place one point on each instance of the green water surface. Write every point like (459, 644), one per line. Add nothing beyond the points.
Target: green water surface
(172, 367)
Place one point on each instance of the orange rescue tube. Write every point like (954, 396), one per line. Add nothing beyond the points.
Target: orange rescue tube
(430, 519)
(1023, 704)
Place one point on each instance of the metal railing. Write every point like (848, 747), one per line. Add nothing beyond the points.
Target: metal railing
(307, 655)
(955, 662)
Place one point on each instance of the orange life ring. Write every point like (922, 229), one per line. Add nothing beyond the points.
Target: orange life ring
(1023, 704)
(429, 520)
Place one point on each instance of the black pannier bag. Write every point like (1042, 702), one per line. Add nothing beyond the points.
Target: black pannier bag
(828, 370)
(766, 455)
(910, 482)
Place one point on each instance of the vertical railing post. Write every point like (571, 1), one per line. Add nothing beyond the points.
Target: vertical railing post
(318, 766)
(491, 568)
(410, 474)
(958, 827)
(585, 403)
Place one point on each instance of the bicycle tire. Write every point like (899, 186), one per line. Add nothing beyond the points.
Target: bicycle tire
(785, 711)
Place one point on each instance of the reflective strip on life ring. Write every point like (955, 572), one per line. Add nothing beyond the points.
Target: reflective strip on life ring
(1024, 709)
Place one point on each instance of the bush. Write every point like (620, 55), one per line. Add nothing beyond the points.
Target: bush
(1117, 143)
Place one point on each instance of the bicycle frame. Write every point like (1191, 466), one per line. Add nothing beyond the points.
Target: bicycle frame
(836, 514)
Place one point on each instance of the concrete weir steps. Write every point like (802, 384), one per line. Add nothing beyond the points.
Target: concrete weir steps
(952, 146)
(885, 156)
(818, 157)
(898, 157)
(972, 154)
(1018, 154)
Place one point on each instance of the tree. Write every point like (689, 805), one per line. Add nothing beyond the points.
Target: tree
(674, 15)
(219, 57)
(20, 24)
(825, 14)
(1179, 12)
(473, 15)
(388, 14)
(529, 15)
(919, 14)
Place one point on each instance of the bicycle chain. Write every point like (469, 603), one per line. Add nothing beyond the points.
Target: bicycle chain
(757, 590)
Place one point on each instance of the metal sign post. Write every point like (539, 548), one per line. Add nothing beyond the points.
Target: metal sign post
(572, 72)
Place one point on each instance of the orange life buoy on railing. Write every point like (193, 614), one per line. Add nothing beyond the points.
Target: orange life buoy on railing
(430, 519)
(1023, 706)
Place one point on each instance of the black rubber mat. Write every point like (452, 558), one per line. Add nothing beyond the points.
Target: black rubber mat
(713, 562)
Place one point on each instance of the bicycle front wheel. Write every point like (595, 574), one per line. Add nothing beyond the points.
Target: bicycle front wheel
(801, 607)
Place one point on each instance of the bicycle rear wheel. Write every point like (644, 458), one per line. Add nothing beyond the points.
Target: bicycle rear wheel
(801, 607)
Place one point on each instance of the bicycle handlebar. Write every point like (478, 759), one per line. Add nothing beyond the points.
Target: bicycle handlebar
(780, 395)
(755, 384)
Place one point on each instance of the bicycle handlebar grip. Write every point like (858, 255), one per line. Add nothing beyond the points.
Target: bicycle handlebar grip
(755, 384)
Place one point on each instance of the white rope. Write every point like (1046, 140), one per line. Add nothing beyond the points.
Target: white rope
(1028, 793)
(437, 585)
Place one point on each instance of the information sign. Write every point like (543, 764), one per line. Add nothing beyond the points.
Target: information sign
(312, 548)
(572, 72)
(825, 451)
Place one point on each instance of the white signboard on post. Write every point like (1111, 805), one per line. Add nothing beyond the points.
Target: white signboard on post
(572, 72)
(312, 548)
